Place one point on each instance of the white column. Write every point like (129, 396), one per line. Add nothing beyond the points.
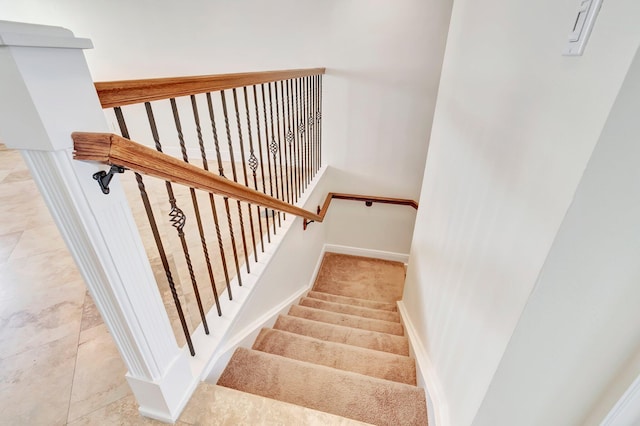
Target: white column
(46, 93)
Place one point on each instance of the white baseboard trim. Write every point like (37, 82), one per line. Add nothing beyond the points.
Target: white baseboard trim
(629, 399)
(357, 251)
(426, 369)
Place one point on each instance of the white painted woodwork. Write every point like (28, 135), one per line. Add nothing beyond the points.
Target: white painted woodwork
(513, 130)
(47, 94)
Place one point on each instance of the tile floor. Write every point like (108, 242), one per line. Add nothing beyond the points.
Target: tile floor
(58, 363)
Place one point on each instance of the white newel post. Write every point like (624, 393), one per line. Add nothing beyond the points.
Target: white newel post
(46, 93)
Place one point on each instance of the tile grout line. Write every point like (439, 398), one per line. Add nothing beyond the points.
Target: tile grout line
(75, 362)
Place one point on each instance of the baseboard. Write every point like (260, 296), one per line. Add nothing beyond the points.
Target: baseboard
(426, 369)
(629, 399)
(357, 251)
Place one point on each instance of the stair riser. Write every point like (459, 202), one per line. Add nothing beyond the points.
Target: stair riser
(347, 320)
(353, 301)
(350, 310)
(372, 363)
(351, 336)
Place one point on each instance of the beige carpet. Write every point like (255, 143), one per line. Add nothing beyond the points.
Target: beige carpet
(342, 350)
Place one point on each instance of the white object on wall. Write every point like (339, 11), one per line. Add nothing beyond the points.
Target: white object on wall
(582, 26)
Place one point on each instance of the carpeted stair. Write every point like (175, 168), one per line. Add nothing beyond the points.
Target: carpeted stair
(342, 350)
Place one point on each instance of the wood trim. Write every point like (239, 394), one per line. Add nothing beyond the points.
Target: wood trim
(365, 198)
(108, 148)
(126, 92)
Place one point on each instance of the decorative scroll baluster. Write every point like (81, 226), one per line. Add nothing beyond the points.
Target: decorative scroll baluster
(319, 118)
(244, 170)
(264, 189)
(226, 202)
(273, 147)
(158, 240)
(289, 142)
(177, 220)
(235, 178)
(285, 147)
(253, 165)
(312, 122)
(316, 126)
(282, 192)
(267, 148)
(194, 199)
(305, 109)
(299, 132)
(296, 150)
(310, 127)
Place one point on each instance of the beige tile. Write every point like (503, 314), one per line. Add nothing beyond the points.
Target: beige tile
(17, 175)
(90, 315)
(28, 328)
(99, 378)
(38, 240)
(7, 244)
(121, 412)
(217, 405)
(35, 385)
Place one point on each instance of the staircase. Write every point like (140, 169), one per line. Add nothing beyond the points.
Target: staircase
(341, 350)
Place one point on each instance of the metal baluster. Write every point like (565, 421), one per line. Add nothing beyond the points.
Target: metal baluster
(289, 143)
(253, 164)
(235, 178)
(156, 236)
(266, 211)
(273, 147)
(244, 170)
(319, 118)
(275, 87)
(178, 220)
(266, 141)
(307, 132)
(298, 136)
(213, 204)
(310, 121)
(194, 199)
(316, 126)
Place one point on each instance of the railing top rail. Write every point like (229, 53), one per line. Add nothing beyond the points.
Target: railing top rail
(127, 92)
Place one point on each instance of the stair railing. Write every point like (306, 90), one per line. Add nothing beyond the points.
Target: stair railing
(271, 122)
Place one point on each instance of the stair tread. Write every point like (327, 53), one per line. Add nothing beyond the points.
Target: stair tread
(347, 320)
(369, 362)
(374, 340)
(352, 301)
(233, 407)
(342, 308)
(338, 392)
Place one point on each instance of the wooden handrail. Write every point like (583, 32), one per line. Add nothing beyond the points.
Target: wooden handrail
(126, 92)
(108, 148)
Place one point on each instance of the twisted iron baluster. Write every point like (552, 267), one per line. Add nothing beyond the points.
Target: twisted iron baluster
(266, 211)
(156, 235)
(319, 119)
(298, 136)
(266, 141)
(282, 193)
(177, 220)
(235, 178)
(253, 164)
(246, 181)
(213, 204)
(273, 147)
(288, 142)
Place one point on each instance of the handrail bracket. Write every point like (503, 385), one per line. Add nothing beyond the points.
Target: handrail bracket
(104, 178)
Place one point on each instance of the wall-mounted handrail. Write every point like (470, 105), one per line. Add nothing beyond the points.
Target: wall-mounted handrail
(111, 149)
(127, 92)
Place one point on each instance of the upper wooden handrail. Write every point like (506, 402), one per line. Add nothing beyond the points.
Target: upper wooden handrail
(126, 92)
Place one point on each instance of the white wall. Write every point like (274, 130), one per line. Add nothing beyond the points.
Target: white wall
(581, 325)
(514, 126)
(383, 59)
